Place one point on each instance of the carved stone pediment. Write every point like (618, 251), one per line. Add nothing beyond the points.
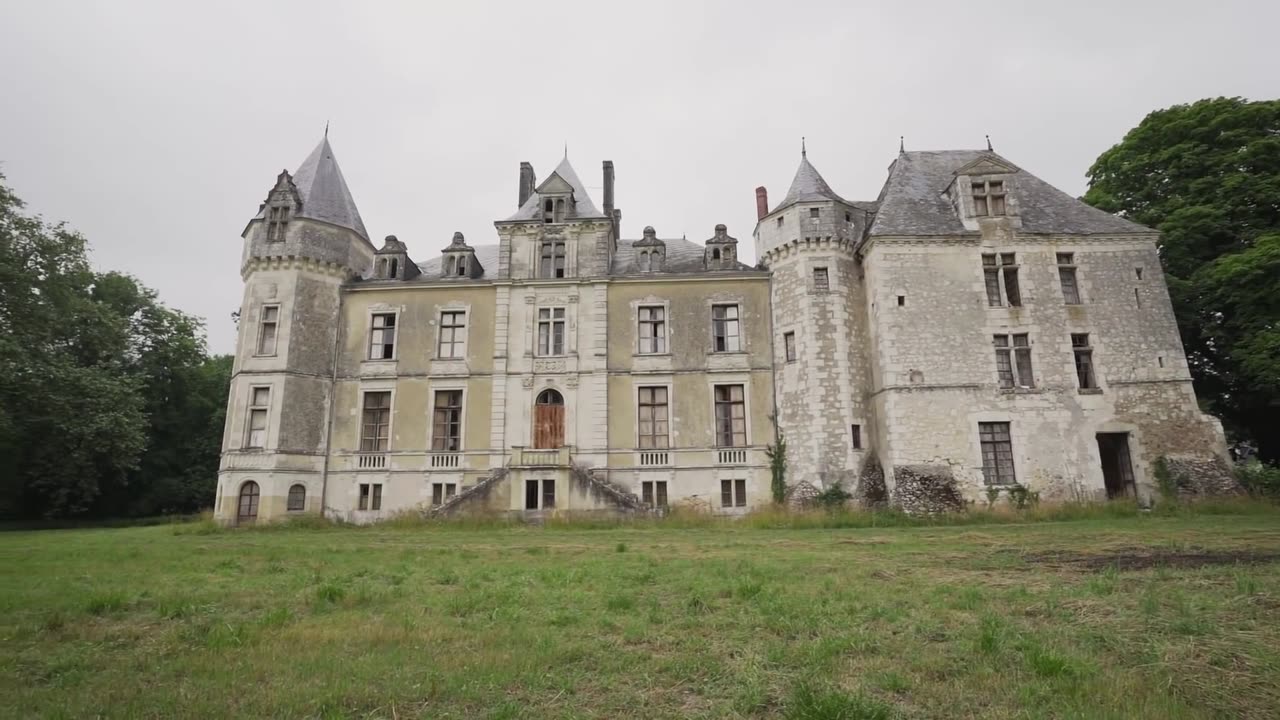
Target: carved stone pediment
(987, 165)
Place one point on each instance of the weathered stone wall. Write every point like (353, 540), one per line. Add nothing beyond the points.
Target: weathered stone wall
(1194, 477)
(927, 489)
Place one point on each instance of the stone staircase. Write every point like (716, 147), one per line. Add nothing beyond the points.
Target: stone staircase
(480, 489)
(625, 501)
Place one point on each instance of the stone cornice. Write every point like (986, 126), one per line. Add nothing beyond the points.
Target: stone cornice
(827, 243)
(295, 262)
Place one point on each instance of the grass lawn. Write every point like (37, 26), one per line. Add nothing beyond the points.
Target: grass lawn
(1138, 617)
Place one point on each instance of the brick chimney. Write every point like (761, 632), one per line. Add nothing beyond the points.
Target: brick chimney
(608, 188)
(762, 202)
(526, 183)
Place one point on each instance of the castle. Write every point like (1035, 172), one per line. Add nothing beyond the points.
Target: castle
(971, 328)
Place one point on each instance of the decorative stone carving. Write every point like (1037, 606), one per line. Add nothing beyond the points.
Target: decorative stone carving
(526, 381)
(548, 366)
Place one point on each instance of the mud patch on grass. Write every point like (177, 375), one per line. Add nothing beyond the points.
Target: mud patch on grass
(1145, 558)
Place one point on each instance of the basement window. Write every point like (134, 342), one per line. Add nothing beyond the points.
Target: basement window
(370, 496)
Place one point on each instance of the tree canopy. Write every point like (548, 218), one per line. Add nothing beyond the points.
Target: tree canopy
(109, 402)
(1207, 175)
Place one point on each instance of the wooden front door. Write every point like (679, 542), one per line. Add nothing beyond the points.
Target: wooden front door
(247, 512)
(548, 420)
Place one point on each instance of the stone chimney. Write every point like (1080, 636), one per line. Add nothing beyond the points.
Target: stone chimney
(526, 183)
(762, 202)
(608, 188)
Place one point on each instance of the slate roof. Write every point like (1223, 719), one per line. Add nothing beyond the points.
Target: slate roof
(913, 200)
(324, 192)
(583, 207)
(809, 186)
(683, 257)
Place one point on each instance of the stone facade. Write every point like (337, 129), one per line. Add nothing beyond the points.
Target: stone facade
(566, 369)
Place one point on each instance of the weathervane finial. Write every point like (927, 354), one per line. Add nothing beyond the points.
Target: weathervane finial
(989, 148)
(803, 150)
(326, 129)
(902, 144)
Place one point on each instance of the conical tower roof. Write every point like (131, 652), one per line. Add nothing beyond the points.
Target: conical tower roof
(808, 186)
(324, 192)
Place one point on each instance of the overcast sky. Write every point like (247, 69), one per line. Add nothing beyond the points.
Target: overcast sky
(157, 128)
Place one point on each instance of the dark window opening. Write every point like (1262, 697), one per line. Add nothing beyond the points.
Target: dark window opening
(856, 432)
(997, 453)
(446, 432)
(654, 493)
(1117, 467)
(733, 493)
(1084, 361)
(730, 416)
(382, 338)
(297, 498)
(441, 492)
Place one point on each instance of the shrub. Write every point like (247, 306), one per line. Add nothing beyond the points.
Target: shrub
(1259, 480)
(833, 498)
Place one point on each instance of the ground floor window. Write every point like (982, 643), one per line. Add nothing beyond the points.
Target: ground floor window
(370, 496)
(654, 493)
(249, 494)
(297, 498)
(733, 493)
(441, 492)
(997, 453)
(539, 494)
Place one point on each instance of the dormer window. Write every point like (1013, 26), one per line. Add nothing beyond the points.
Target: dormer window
(988, 198)
(548, 210)
(395, 268)
(277, 219)
(715, 253)
(462, 267)
(644, 262)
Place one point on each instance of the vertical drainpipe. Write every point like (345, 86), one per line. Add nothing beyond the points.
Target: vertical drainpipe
(333, 390)
(773, 362)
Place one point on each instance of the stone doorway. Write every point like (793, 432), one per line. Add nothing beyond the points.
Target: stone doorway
(247, 510)
(1117, 467)
(548, 420)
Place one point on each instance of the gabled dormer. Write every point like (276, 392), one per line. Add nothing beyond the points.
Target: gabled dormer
(983, 189)
(282, 203)
(392, 262)
(721, 251)
(460, 260)
(555, 199)
(651, 253)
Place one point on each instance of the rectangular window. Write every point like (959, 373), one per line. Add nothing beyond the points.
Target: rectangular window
(548, 494)
(259, 407)
(382, 338)
(733, 493)
(1084, 361)
(277, 220)
(539, 494)
(724, 328)
(988, 198)
(446, 430)
(267, 329)
(552, 260)
(1067, 278)
(815, 213)
(1000, 272)
(440, 492)
(731, 416)
(376, 423)
(370, 496)
(789, 345)
(1013, 364)
(653, 421)
(654, 493)
(997, 453)
(551, 325)
(820, 279)
(653, 329)
(856, 433)
(453, 335)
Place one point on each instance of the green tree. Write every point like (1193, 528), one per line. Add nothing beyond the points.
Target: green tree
(109, 404)
(1207, 175)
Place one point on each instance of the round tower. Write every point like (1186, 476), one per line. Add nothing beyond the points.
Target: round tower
(305, 242)
(822, 375)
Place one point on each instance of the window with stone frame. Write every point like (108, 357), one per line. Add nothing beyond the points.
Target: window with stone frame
(789, 345)
(453, 335)
(1083, 353)
(268, 328)
(1013, 363)
(375, 423)
(997, 453)
(277, 222)
(446, 426)
(382, 337)
(370, 496)
(988, 198)
(539, 494)
(653, 421)
(652, 329)
(815, 213)
(730, 416)
(1000, 275)
(441, 492)
(725, 328)
(551, 331)
(1067, 278)
(821, 281)
(733, 493)
(654, 493)
(259, 409)
(855, 432)
(297, 499)
(552, 259)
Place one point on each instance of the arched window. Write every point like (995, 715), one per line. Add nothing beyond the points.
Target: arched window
(395, 265)
(248, 509)
(297, 498)
(644, 262)
(448, 264)
(715, 253)
(462, 266)
(382, 268)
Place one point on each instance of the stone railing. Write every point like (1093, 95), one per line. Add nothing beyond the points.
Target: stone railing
(539, 457)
